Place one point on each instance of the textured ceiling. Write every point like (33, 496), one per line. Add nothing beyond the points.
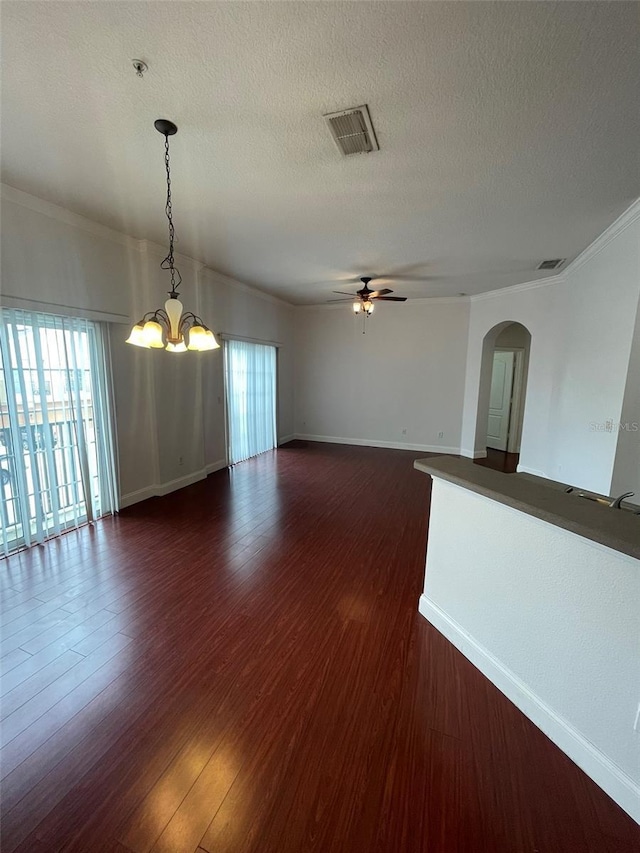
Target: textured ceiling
(509, 132)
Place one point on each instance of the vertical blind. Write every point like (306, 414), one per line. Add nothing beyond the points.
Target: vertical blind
(57, 447)
(250, 381)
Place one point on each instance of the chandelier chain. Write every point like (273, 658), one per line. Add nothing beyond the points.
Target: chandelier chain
(167, 263)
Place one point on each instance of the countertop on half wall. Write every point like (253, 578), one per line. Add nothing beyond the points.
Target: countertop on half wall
(617, 529)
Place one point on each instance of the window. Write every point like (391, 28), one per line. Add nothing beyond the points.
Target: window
(57, 466)
(250, 381)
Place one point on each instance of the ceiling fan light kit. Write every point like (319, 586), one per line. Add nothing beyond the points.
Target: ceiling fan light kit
(171, 328)
(363, 307)
(362, 302)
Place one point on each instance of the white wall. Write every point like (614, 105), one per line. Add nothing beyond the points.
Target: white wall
(581, 326)
(553, 625)
(169, 422)
(135, 414)
(51, 257)
(626, 471)
(405, 373)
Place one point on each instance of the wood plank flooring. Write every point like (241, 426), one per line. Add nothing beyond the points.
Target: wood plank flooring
(240, 667)
(500, 460)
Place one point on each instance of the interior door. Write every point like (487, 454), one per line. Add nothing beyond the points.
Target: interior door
(500, 400)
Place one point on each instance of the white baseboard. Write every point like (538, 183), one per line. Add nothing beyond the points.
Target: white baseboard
(180, 482)
(474, 454)
(139, 495)
(620, 787)
(212, 467)
(370, 442)
(160, 489)
(524, 469)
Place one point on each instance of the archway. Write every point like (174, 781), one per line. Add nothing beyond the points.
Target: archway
(501, 402)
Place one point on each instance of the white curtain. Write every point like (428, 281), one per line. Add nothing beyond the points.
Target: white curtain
(250, 381)
(57, 446)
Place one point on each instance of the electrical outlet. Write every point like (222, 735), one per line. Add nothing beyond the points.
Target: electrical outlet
(440, 435)
(636, 722)
(404, 431)
(180, 460)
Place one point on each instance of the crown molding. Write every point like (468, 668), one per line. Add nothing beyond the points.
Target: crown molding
(61, 214)
(244, 288)
(519, 288)
(627, 218)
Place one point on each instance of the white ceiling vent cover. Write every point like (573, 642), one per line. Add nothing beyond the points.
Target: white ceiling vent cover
(353, 131)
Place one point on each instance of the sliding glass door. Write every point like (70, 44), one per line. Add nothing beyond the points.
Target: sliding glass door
(57, 465)
(250, 382)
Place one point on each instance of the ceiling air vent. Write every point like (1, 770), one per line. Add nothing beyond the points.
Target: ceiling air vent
(551, 265)
(353, 131)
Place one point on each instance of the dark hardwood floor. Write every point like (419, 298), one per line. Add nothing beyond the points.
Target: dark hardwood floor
(240, 667)
(500, 460)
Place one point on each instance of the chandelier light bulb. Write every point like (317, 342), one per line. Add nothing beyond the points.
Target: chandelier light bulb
(152, 334)
(197, 337)
(179, 347)
(210, 341)
(137, 336)
(202, 339)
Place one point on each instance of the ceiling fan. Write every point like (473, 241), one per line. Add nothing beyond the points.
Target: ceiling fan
(364, 298)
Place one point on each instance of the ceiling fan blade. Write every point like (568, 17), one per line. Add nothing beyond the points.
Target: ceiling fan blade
(378, 293)
(344, 293)
(340, 300)
(418, 278)
(390, 298)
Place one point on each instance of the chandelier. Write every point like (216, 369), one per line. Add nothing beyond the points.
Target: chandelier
(171, 328)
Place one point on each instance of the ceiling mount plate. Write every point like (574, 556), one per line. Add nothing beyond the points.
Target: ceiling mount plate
(165, 127)
(140, 66)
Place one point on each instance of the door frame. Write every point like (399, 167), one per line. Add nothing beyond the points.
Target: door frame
(516, 409)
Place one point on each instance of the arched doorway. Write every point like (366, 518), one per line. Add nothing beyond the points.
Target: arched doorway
(501, 404)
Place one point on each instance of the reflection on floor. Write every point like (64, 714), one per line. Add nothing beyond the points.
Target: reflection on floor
(499, 460)
(240, 667)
